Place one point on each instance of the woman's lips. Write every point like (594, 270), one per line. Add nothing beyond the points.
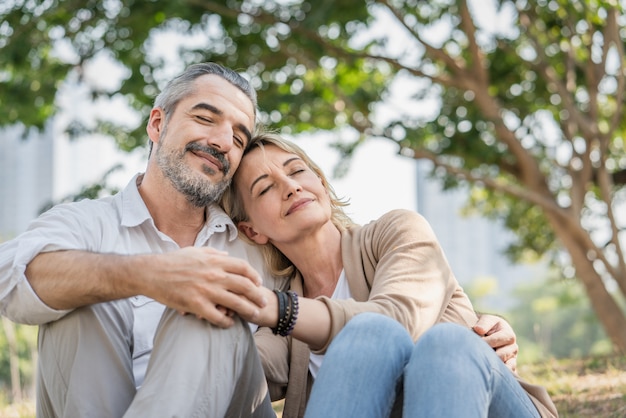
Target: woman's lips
(297, 205)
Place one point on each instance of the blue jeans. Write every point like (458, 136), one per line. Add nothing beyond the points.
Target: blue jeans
(449, 372)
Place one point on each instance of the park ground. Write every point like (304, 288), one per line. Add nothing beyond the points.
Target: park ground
(591, 387)
(581, 388)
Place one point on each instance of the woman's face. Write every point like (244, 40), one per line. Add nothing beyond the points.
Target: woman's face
(284, 199)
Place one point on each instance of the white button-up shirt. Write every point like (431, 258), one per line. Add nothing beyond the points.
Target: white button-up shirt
(118, 224)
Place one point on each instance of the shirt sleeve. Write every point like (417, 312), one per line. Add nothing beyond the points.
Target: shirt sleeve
(58, 229)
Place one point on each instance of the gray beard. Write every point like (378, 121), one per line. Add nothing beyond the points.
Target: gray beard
(199, 190)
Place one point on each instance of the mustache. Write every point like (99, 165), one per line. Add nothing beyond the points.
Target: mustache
(219, 156)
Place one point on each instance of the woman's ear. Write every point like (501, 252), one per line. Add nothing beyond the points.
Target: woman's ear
(249, 232)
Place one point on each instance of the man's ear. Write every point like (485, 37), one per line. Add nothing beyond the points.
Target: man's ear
(155, 124)
(249, 232)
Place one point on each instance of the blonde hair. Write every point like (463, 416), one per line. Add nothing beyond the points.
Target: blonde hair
(279, 265)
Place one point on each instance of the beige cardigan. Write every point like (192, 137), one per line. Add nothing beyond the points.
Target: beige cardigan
(394, 266)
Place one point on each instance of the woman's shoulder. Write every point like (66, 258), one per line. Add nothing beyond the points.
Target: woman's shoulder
(401, 217)
(392, 222)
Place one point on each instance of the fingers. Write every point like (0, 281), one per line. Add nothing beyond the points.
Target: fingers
(209, 284)
(512, 364)
(247, 306)
(486, 324)
(508, 352)
(232, 265)
(500, 336)
(500, 339)
(225, 311)
(268, 315)
(495, 331)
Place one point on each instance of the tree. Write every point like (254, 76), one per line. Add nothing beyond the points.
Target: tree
(18, 351)
(553, 318)
(528, 116)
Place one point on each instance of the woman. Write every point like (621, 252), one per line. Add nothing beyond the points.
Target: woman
(394, 266)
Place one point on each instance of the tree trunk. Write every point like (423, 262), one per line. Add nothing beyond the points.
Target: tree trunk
(604, 305)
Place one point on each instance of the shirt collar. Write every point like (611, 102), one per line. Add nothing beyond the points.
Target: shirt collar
(219, 221)
(135, 212)
(134, 209)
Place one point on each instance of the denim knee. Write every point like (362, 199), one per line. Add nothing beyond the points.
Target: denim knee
(443, 337)
(447, 333)
(371, 322)
(370, 330)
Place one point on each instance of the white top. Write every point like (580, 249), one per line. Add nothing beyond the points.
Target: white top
(342, 291)
(115, 224)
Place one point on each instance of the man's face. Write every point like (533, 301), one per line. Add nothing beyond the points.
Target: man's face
(201, 145)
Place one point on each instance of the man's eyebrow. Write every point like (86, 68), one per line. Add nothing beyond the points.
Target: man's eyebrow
(262, 176)
(215, 110)
(209, 107)
(246, 132)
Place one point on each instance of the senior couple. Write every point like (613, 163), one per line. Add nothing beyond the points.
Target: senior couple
(228, 275)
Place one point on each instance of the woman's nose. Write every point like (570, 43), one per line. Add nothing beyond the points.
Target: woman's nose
(291, 187)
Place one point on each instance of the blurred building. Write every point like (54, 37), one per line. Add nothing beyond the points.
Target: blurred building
(473, 245)
(26, 177)
(42, 167)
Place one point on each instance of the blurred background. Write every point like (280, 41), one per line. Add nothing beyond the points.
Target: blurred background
(499, 120)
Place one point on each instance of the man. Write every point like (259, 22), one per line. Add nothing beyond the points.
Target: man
(165, 243)
(106, 280)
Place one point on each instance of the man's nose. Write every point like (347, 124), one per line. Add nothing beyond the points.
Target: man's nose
(222, 138)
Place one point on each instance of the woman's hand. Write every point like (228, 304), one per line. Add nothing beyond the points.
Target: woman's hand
(268, 315)
(499, 334)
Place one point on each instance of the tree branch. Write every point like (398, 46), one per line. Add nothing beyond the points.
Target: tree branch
(612, 38)
(437, 53)
(542, 66)
(478, 64)
(568, 217)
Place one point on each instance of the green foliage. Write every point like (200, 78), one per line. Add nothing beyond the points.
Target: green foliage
(551, 316)
(535, 238)
(26, 337)
(553, 319)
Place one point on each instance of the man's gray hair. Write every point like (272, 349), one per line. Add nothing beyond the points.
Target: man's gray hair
(183, 85)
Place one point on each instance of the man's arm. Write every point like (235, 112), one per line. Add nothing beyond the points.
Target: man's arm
(71, 279)
(199, 281)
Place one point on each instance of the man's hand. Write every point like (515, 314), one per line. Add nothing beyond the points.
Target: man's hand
(207, 283)
(499, 334)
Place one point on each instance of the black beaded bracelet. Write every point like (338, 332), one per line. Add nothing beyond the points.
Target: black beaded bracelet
(288, 307)
(282, 309)
(295, 307)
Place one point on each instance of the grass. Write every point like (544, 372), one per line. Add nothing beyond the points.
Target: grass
(591, 387)
(580, 388)
(24, 409)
